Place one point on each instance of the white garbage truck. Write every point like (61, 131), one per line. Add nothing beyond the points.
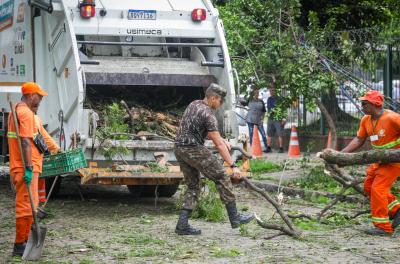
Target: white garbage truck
(157, 52)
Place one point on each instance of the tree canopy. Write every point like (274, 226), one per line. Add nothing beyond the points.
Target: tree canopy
(285, 41)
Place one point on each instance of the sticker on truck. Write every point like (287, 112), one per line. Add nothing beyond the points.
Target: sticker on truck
(6, 14)
(134, 14)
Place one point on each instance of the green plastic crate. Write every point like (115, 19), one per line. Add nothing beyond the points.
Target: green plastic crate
(62, 163)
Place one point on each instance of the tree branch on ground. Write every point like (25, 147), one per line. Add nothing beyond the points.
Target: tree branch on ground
(361, 213)
(290, 229)
(340, 176)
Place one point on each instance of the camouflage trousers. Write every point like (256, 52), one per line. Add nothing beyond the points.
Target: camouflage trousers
(194, 160)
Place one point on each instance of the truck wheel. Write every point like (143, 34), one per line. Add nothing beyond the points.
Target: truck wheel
(149, 190)
(167, 190)
(135, 190)
(49, 183)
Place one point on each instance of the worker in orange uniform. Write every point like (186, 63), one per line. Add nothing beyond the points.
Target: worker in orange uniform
(382, 127)
(22, 177)
(52, 149)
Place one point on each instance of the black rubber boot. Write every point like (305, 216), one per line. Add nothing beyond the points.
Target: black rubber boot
(183, 227)
(396, 219)
(235, 218)
(19, 249)
(41, 213)
(376, 232)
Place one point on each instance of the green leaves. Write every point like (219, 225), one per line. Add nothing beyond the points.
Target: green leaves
(113, 119)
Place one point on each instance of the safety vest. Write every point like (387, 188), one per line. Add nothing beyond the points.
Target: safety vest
(13, 134)
(387, 145)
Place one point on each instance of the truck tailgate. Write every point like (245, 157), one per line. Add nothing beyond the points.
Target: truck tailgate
(146, 71)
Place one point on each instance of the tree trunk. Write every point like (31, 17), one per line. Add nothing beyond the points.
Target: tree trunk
(331, 103)
(363, 157)
(330, 122)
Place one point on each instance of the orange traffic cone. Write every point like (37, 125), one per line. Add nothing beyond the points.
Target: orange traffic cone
(329, 142)
(294, 149)
(256, 150)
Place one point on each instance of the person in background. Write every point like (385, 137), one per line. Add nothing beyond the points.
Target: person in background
(255, 116)
(274, 125)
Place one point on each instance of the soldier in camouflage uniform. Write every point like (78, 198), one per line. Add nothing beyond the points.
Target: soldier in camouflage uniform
(199, 122)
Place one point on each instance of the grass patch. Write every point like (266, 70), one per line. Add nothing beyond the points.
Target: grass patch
(209, 206)
(339, 220)
(95, 247)
(120, 255)
(85, 261)
(264, 166)
(307, 224)
(396, 189)
(224, 253)
(145, 252)
(146, 220)
(258, 167)
(318, 199)
(263, 177)
(316, 180)
(327, 223)
(138, 239)
(245, 231)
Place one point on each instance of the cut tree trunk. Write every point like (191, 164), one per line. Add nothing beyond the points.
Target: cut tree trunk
(359, 158)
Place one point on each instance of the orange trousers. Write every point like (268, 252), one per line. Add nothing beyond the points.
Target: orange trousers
(384, 204)
(23, 211)
(42, 190)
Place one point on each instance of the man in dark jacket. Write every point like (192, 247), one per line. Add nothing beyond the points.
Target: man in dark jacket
(274, 125)
(199, 122)
(255, 117)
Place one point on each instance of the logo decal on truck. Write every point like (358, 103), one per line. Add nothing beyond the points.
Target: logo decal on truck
(21, 13)
(144, 31)
(6, 14)
(4, 61)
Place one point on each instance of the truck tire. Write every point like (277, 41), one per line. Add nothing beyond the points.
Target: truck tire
(49, 183)
(142, 190)
(150, 190)
(167, 190)
(135, 190)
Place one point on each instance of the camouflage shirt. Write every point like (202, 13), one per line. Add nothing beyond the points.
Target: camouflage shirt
(197, 120)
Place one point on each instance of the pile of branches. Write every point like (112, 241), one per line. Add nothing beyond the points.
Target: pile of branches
(143, 119)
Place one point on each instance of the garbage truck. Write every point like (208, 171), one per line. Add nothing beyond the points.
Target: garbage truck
(88, 53)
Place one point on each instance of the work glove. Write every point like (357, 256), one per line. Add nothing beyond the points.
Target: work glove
(28, 174)
(236, 176)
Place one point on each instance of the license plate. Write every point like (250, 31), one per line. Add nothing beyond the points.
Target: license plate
(142, 14)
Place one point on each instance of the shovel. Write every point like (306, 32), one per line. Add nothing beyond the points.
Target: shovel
(34, 247)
